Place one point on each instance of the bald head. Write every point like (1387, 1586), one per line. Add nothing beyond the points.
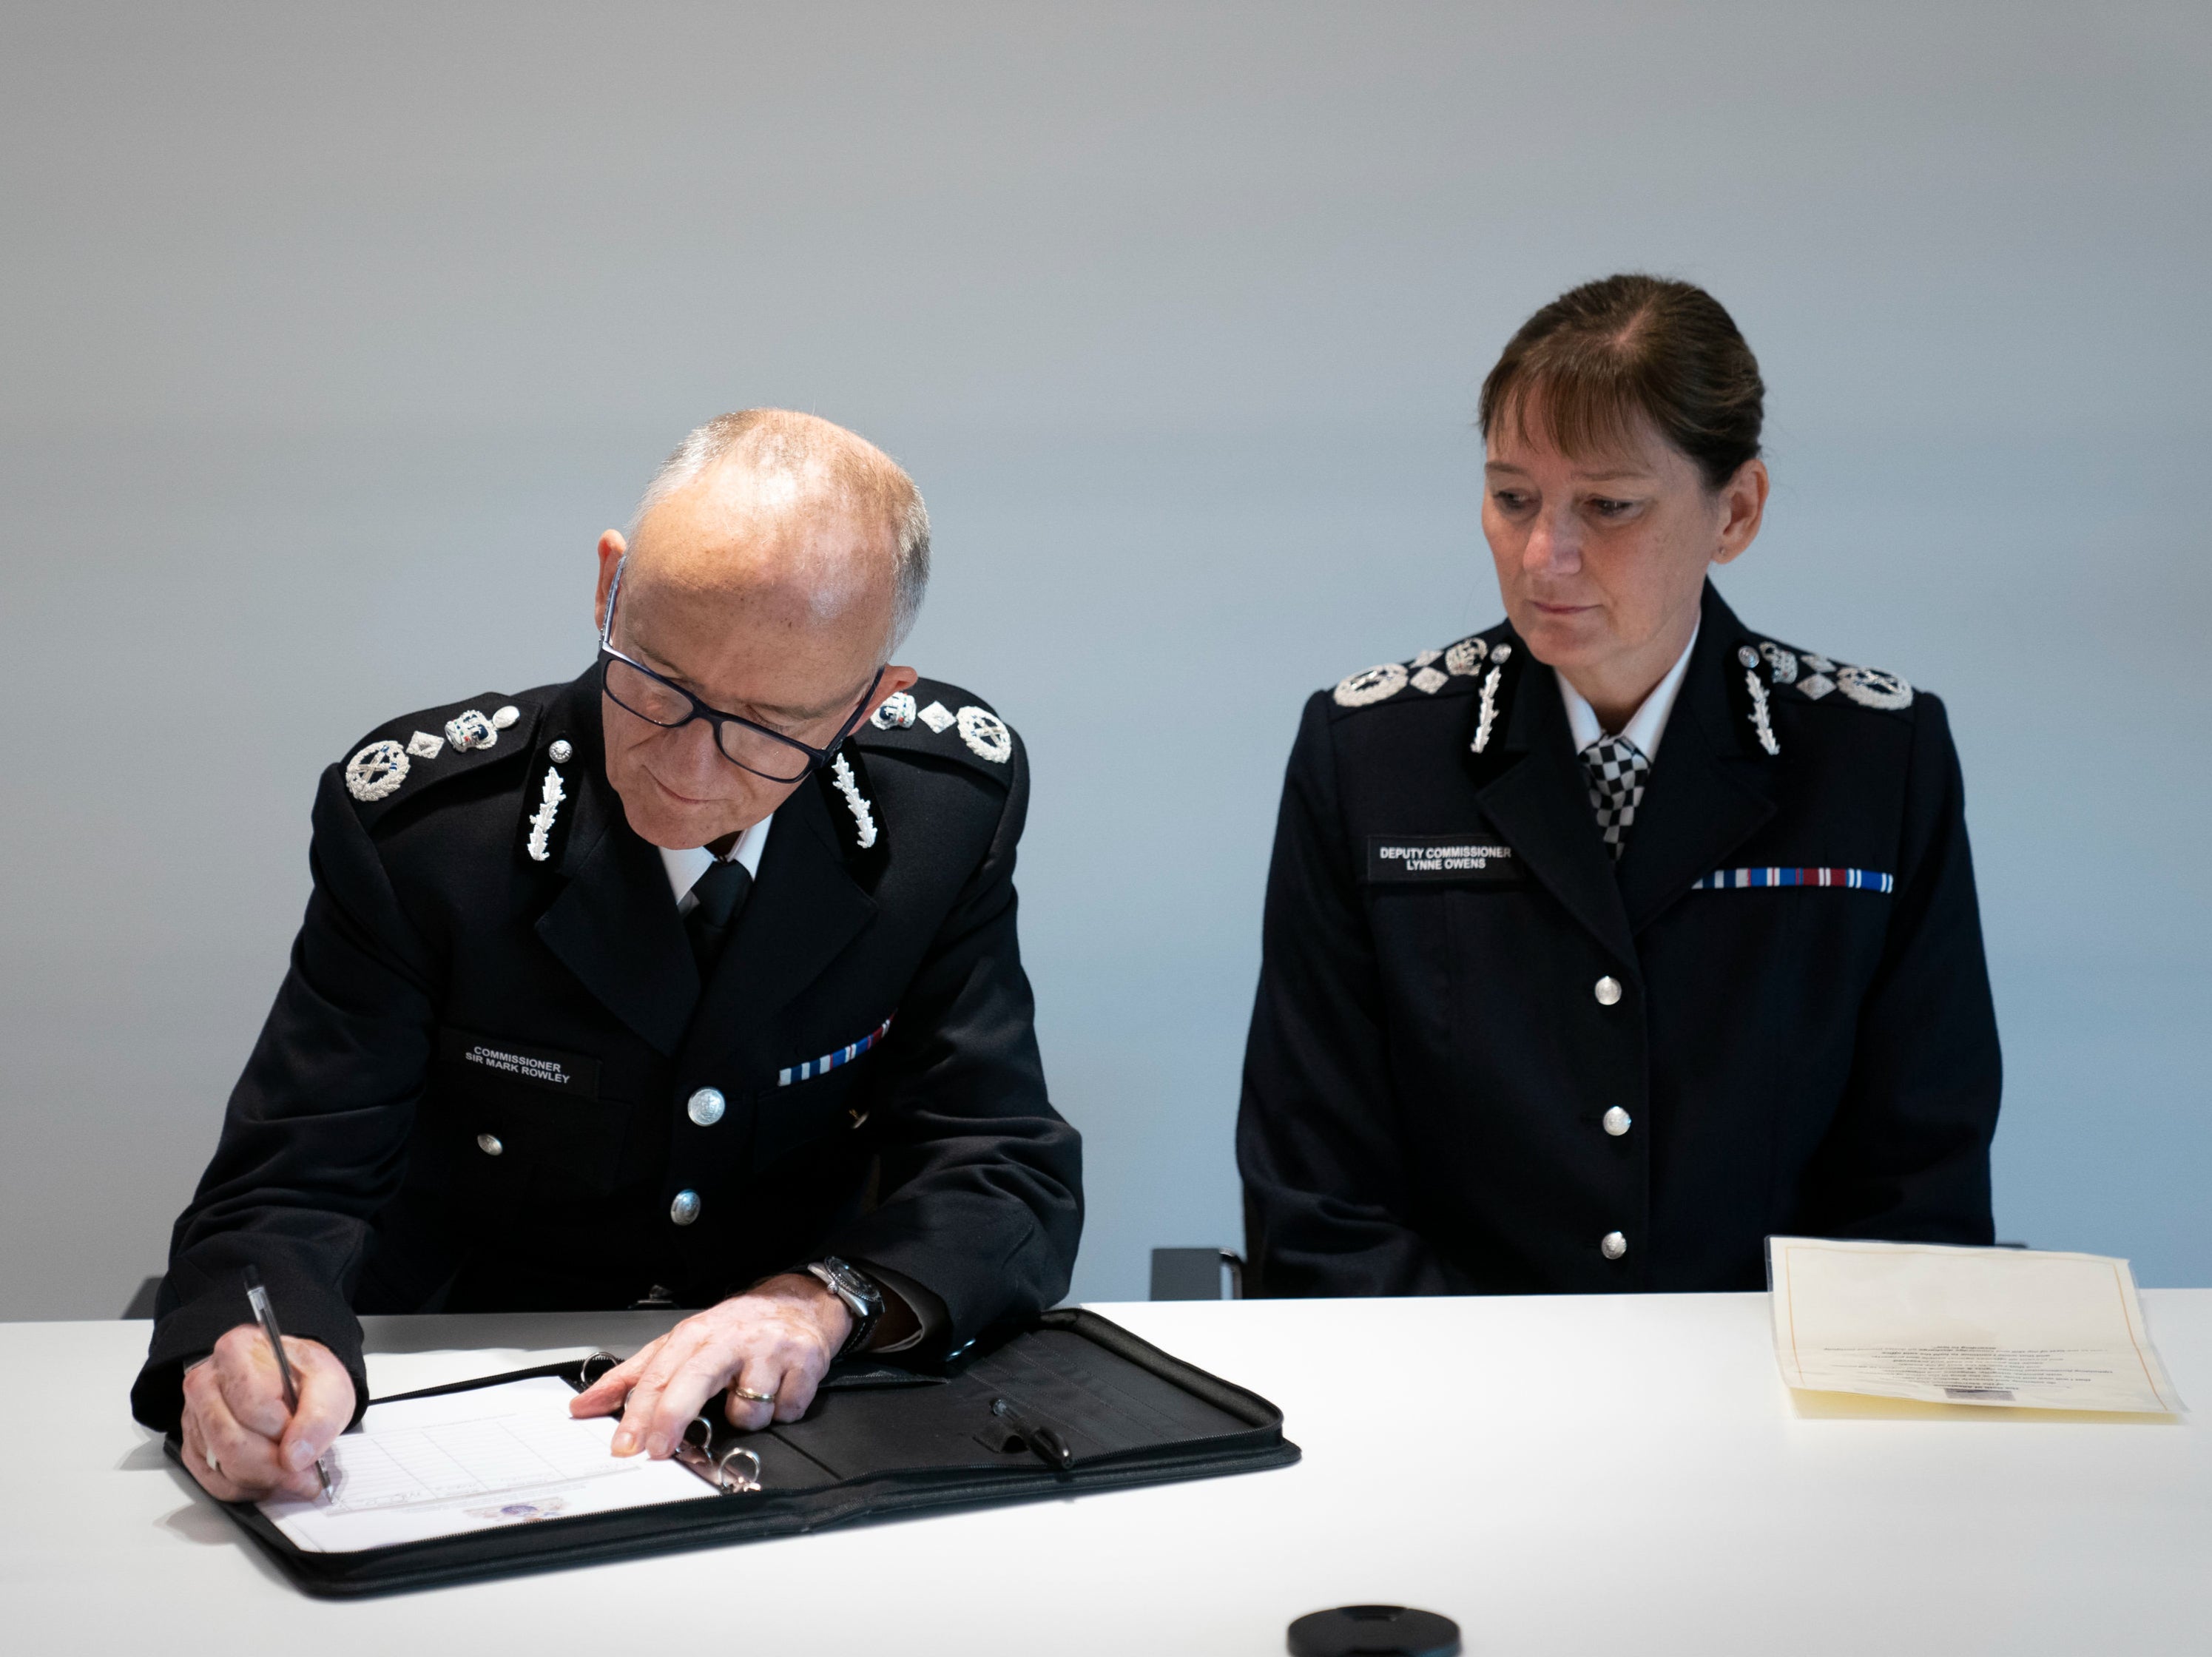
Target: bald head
(768, 498)
(773, 565)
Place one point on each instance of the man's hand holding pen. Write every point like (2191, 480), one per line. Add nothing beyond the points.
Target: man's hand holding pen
(239, 1440)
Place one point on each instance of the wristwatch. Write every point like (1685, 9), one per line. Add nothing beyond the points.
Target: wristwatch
(862, 1297)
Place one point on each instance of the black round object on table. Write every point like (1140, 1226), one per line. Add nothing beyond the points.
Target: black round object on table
(1374, 1631)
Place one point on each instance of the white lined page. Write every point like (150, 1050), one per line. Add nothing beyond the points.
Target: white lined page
(473, 1460)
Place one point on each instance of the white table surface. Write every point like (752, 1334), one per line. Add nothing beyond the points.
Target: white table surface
(1585, 1475)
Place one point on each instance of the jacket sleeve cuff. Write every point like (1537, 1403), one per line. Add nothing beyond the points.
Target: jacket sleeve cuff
(932, 1322)
(1002, 1268)
(186, 1330)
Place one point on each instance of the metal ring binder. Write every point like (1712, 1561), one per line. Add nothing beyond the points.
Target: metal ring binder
(696, 1452)
(735, 1483)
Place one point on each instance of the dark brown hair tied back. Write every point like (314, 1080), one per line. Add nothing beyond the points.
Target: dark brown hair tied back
(1610, 355)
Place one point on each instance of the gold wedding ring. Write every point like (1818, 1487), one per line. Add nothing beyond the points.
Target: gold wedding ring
(751, 1397)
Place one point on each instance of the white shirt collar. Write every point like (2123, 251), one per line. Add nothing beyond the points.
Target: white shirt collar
(1649, 723)
(685, 867)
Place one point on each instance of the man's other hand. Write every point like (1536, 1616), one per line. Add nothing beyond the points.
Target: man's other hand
(775, 1340)
(240, 1442)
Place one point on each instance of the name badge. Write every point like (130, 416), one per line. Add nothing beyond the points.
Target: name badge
(1414, 859)
(568, 1073)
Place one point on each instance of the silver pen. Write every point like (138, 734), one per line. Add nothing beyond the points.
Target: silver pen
(257, 1298)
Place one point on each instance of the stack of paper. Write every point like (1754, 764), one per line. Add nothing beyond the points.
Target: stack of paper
(2003, 1326)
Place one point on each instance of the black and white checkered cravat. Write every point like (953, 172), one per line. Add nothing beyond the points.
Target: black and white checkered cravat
(1617, 771)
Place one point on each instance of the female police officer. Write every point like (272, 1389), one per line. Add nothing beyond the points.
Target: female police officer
(1602, 944)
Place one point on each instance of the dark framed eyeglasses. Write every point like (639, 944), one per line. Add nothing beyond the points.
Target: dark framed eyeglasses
(636, 689)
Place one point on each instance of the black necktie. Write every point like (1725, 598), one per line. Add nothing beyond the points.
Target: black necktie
(720, 892)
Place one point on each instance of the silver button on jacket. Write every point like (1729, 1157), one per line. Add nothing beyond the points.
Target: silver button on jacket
(1618, 1122)
(489, 1144)
(1609, 991)
(1613, 1246)
(705, 1106)
(685, 1208)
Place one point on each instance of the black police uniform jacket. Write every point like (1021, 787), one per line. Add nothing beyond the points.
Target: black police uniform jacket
(475, 1089)
(1431, 1059)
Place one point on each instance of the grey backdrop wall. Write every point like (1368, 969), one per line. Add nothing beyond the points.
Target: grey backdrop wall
(329, 342)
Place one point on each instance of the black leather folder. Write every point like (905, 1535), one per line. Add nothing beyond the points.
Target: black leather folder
(1072, 1403)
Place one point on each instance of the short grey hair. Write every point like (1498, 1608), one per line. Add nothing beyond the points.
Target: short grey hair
(863, 477)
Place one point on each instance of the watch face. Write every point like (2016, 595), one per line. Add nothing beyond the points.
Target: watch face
(847, 1282)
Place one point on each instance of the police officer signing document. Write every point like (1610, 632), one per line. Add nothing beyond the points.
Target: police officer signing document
(692, 983)
(1606, 943)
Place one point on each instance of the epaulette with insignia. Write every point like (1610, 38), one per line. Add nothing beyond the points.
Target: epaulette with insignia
(1460, 666)
(1481, 665)
(942, 721)
(1764, 670)
(923, 723)
(400, 760)
(1812, 676)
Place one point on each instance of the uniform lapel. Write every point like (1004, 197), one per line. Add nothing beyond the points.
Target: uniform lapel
(1709, 790)
(614, 924)
(1541, 804)
(803, 909)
